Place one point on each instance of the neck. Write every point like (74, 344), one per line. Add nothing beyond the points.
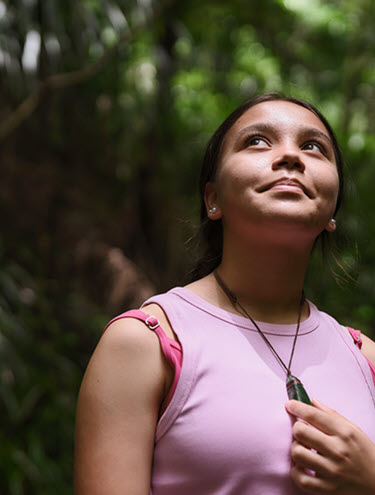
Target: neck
(267, 279)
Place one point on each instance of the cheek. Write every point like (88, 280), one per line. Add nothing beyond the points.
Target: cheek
(237, 175)
(233, 190)
(334, 185)
(328, 185)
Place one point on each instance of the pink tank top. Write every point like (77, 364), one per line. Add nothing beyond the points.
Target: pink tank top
(172, 350)
(225, 430)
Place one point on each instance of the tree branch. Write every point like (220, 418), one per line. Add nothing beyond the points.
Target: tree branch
(67, 79)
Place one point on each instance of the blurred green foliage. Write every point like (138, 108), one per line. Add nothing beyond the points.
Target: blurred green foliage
(110, 157)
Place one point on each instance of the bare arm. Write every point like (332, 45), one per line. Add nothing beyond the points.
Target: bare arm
(117, 412)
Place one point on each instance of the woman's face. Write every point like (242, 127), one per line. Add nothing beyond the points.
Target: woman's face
(277, 169)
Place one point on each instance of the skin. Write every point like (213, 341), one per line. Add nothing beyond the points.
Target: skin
(127, 383)
(276, 227)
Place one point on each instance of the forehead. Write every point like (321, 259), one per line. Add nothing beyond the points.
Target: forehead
(284, 115)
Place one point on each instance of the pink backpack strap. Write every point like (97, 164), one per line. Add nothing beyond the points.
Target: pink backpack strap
(171, 349)
(356, 335)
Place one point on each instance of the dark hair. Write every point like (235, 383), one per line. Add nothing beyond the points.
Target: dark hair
(211, 232)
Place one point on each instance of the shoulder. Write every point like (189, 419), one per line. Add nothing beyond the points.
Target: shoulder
(126, 336)
(128, 353)
(368, 348)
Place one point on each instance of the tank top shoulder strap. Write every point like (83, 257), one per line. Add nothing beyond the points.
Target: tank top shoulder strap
(356, 335)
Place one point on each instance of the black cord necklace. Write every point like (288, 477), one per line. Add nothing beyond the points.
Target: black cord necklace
(294, 387)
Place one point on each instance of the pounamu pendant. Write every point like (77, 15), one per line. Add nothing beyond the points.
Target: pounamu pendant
(296, 390)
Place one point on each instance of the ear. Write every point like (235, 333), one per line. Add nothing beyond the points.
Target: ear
(331, 226)
(211, 201)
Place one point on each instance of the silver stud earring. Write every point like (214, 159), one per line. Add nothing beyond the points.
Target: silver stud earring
(333, 222)
(212, 210)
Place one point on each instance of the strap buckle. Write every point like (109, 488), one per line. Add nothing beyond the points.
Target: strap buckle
(153, 323)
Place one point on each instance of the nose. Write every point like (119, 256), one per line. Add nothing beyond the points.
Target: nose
(289, 156)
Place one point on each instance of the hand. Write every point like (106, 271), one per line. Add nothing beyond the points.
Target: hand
(343, 457)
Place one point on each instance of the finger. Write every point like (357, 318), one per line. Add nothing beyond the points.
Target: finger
(307, 458)
(319, 405)
(310, 483)
(313, 438)
(326, 421)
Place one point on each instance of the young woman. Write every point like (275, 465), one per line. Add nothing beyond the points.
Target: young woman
(222, 423)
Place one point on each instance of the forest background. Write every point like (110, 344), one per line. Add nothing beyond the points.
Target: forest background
(105, 110)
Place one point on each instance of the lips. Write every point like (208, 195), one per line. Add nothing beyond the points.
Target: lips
(287, 181)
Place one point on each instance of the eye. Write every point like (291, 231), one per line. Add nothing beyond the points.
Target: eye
(256, 141)
(314, 146)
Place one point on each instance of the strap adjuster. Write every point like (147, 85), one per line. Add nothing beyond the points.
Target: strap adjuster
(152, 322)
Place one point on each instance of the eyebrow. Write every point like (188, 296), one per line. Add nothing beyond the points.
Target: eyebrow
(268, 127)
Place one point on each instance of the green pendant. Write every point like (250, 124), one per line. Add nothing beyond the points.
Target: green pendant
(296, 390)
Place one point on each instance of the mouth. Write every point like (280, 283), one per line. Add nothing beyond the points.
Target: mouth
(287, 184)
